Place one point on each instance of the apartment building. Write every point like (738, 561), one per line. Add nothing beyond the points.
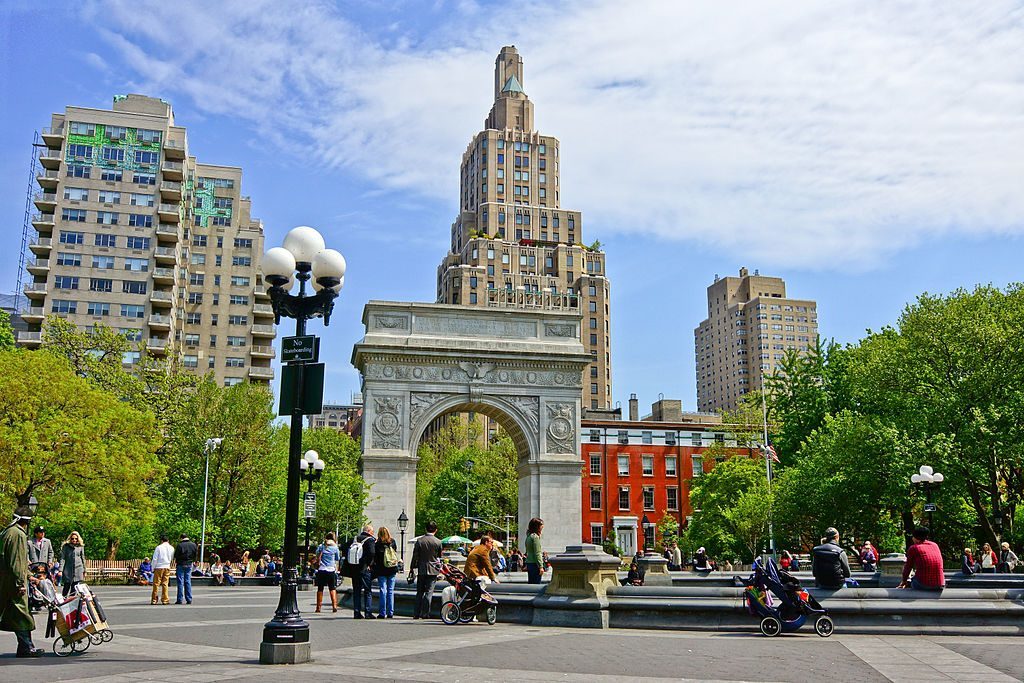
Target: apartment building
(644, 466)
(513, 245)
(751, 324)
(135, 233)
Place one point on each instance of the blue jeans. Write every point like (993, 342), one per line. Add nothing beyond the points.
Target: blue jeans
(386, 586)
(916, 585)
(533, 572)
(362, 589)
(183, 572)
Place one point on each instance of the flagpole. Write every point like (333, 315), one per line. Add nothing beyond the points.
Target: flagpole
(768, 470)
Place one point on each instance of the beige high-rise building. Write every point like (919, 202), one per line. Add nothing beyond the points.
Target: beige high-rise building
(136, 234)
(513, 245)
(750, 326)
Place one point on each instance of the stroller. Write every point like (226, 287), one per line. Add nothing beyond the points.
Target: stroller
(795, 604)
(464, 598)
(79, 619)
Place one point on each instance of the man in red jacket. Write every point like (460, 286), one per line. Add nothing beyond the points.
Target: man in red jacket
(925, 559)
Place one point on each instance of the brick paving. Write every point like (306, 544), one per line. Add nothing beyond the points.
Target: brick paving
(217, 639)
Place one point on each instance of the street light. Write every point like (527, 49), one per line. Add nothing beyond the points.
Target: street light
(645, 524)
(33, 504)
(211, 444)
(403, 521)
(929, 479)
(311, 468)
(303, 257)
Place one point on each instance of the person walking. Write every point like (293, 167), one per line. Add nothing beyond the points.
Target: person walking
(534, 552)
(987, 559)
(14, 579)
(1007, 560)
(385, 569)
(163, 554)
(184, 557)
(72, 559)
(829, 563)
(359, 567)
(328, 556)
(40, 550)
(423, 567)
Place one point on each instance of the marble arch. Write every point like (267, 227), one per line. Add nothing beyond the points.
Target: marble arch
(524, 368)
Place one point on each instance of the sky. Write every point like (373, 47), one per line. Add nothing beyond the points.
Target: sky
(866, 152)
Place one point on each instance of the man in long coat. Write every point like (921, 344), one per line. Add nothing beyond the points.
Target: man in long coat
(14, 613)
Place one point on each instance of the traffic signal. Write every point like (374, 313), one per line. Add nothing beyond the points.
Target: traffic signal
(463, 525)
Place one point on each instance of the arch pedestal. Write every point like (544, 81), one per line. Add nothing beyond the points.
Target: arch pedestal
(522, 368)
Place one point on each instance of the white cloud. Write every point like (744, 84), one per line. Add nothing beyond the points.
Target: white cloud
(810, 134)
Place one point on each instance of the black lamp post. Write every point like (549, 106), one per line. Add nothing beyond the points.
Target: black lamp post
(303, 257)
(928, 479)
(311, 468)
(403, 521)
(644, 524)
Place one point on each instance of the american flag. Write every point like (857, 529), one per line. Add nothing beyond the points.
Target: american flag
(769, 452)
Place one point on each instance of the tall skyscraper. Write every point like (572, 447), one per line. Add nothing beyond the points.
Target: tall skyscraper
(750, 325)
(136, 234)
(513, 245)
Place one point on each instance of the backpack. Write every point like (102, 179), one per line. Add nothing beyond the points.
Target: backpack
(355, 552)
(390, 557)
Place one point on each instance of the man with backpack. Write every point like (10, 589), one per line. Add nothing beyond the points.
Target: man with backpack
(358, 567)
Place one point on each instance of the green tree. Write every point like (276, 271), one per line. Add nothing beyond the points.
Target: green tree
(667, 529)
(87, 457)
(726, 520)
(6, 332)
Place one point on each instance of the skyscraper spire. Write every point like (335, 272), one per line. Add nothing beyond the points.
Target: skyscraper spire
(512, 108)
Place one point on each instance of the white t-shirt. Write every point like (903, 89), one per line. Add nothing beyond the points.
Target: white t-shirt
(162, 556)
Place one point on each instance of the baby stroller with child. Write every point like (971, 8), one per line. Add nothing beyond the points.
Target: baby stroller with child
(795, 604)
(464, 598)
(79, 619)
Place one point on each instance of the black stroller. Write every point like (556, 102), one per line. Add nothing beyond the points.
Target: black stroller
(795, 604)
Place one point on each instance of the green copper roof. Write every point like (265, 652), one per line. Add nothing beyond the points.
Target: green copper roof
(512, 85)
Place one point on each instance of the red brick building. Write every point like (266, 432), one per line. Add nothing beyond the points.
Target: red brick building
(642, 466)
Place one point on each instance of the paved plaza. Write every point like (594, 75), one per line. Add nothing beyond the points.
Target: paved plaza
(217, 639)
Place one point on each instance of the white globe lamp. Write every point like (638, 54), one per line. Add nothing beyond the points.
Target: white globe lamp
(304, 243)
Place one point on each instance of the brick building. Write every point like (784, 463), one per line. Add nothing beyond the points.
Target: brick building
(642, 466)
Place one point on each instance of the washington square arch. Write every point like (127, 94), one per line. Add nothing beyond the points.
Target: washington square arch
(523, 368)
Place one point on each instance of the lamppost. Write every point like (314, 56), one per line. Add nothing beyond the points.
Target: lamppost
(211, 444)
(403, 521)
(929, 479)
(33, 504)
(645, 523)
(311, 468)
(303, 257)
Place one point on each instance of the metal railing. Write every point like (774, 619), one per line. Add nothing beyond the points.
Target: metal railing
(518, 298)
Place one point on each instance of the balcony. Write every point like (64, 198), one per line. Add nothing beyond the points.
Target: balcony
(45, 201)
(263, 331)
(41, 245)
(263, 310)
(174, 147)
(160, 322)
(50, 158)
(157, 347)
(261, 292)
(39, 266)
(167, 231)
(43, 221)
(170, 190)
(34, 314)
(262, 351)
(172, 170)
(163, 275)
(261, 373)
(170, 213)
(53, 137)
(48, 179)
(159, 298)
(30, 338)
(35, 290)
(166, 254)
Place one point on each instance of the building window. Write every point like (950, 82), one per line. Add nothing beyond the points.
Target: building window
(239, 300)
(238, 320)
(138, 243)
(649, 536)
(69, 259)
(595, 498)
(623, 498)
(648, 465)
(102, 262)
(234, 362)
(139, 265)
(65, 282)
(670, 438)
(595, 436)
(194, 318)
(670, 466)
(190, 361)
(133, 311)
(596, 534)
(623, 465)
(647, 437)
(133, 287)
(101, 285)
(103, 239)
(672, 496)
(96, 308)
(64, 306)
(241, 261)
(192, 339)
(697, 463)
(595, 463)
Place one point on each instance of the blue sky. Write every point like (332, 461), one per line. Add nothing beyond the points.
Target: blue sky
(864, 152)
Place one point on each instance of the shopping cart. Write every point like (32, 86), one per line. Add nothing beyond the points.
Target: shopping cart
(78, 620)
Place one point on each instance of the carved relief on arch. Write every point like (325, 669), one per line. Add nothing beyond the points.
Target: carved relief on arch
(387, 422)
(420, 403)
(561, 431)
